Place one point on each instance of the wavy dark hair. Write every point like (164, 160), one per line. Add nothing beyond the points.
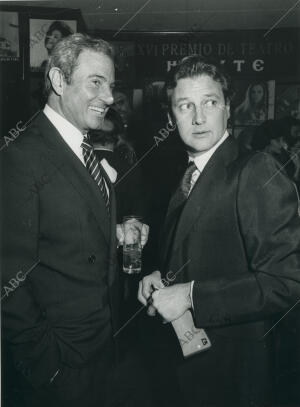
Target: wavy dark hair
(195, 65)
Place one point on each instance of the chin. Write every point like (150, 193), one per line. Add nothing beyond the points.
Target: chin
(96, 124)
(200, 147)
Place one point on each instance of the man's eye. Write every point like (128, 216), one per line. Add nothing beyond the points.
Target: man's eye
(211, 103)
(96, 82)
(185, 106)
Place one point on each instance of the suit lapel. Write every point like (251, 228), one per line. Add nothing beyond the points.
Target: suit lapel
(60, 154)
(204, 192)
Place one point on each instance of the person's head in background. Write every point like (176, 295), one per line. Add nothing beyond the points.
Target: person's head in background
(56, 31)
(79, 78)
(199, 93)
(295, 109)
(275, 135)
(245, 137)
(122, 103)
(278, 139)
(110, 133)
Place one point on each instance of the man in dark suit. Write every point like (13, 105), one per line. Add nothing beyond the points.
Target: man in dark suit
(232, 241)
(59, 312)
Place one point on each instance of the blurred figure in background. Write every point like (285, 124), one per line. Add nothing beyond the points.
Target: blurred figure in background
(135, 130)
(245, 138)
(122, 104)
(280, 138)
(295, 109)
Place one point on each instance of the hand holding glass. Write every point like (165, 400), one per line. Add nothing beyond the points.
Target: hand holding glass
(132, 246)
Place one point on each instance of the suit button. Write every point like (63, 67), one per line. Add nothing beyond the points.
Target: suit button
(92, 259)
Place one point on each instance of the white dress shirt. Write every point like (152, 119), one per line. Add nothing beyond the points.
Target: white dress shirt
(71, 135)
(200, 162)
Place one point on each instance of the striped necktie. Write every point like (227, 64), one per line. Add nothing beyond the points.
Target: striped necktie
(94, 168)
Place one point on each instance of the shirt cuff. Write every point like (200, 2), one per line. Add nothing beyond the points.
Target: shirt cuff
(191, 293)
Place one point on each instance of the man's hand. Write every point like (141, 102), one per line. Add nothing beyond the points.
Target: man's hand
(146, 287)
(144, 234)
(120, 235)
(172, 302)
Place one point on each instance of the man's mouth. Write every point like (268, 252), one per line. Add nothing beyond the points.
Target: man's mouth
(200, 133)
(99, 110)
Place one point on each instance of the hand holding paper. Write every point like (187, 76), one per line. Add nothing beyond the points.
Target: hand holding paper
(173, 305)
(172, 302)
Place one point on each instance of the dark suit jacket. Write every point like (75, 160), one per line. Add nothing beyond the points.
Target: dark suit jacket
(64, 312)
(240, 232)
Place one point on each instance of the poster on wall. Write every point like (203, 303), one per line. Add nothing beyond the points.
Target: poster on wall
(9, 36)
(253, 103)
(44, 34)
(287, 101)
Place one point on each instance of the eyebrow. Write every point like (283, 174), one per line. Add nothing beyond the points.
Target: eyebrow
(212, 95)
(95, 74)
(100, 77)
(182, 99)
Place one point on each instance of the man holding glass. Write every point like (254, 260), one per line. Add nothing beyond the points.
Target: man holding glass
(59, 211)
(232, 241)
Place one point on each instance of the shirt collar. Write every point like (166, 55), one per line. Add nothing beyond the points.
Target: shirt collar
(102, 148)
(201, 160)
(71, 135)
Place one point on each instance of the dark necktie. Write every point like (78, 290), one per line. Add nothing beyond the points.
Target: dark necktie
(94, 168)
(185, 184)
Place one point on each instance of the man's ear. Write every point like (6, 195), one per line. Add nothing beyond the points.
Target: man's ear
(171, 121)
(57, 80)
(227, 107)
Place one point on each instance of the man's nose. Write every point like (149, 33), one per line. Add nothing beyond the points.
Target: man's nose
(199, 116)
(107, 96)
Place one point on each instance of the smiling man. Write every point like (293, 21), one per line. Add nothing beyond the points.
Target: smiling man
(232, 241)
(59, 322)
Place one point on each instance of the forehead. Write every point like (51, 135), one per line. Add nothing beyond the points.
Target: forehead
(55, 32)
(93, 63)
(195, 87)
